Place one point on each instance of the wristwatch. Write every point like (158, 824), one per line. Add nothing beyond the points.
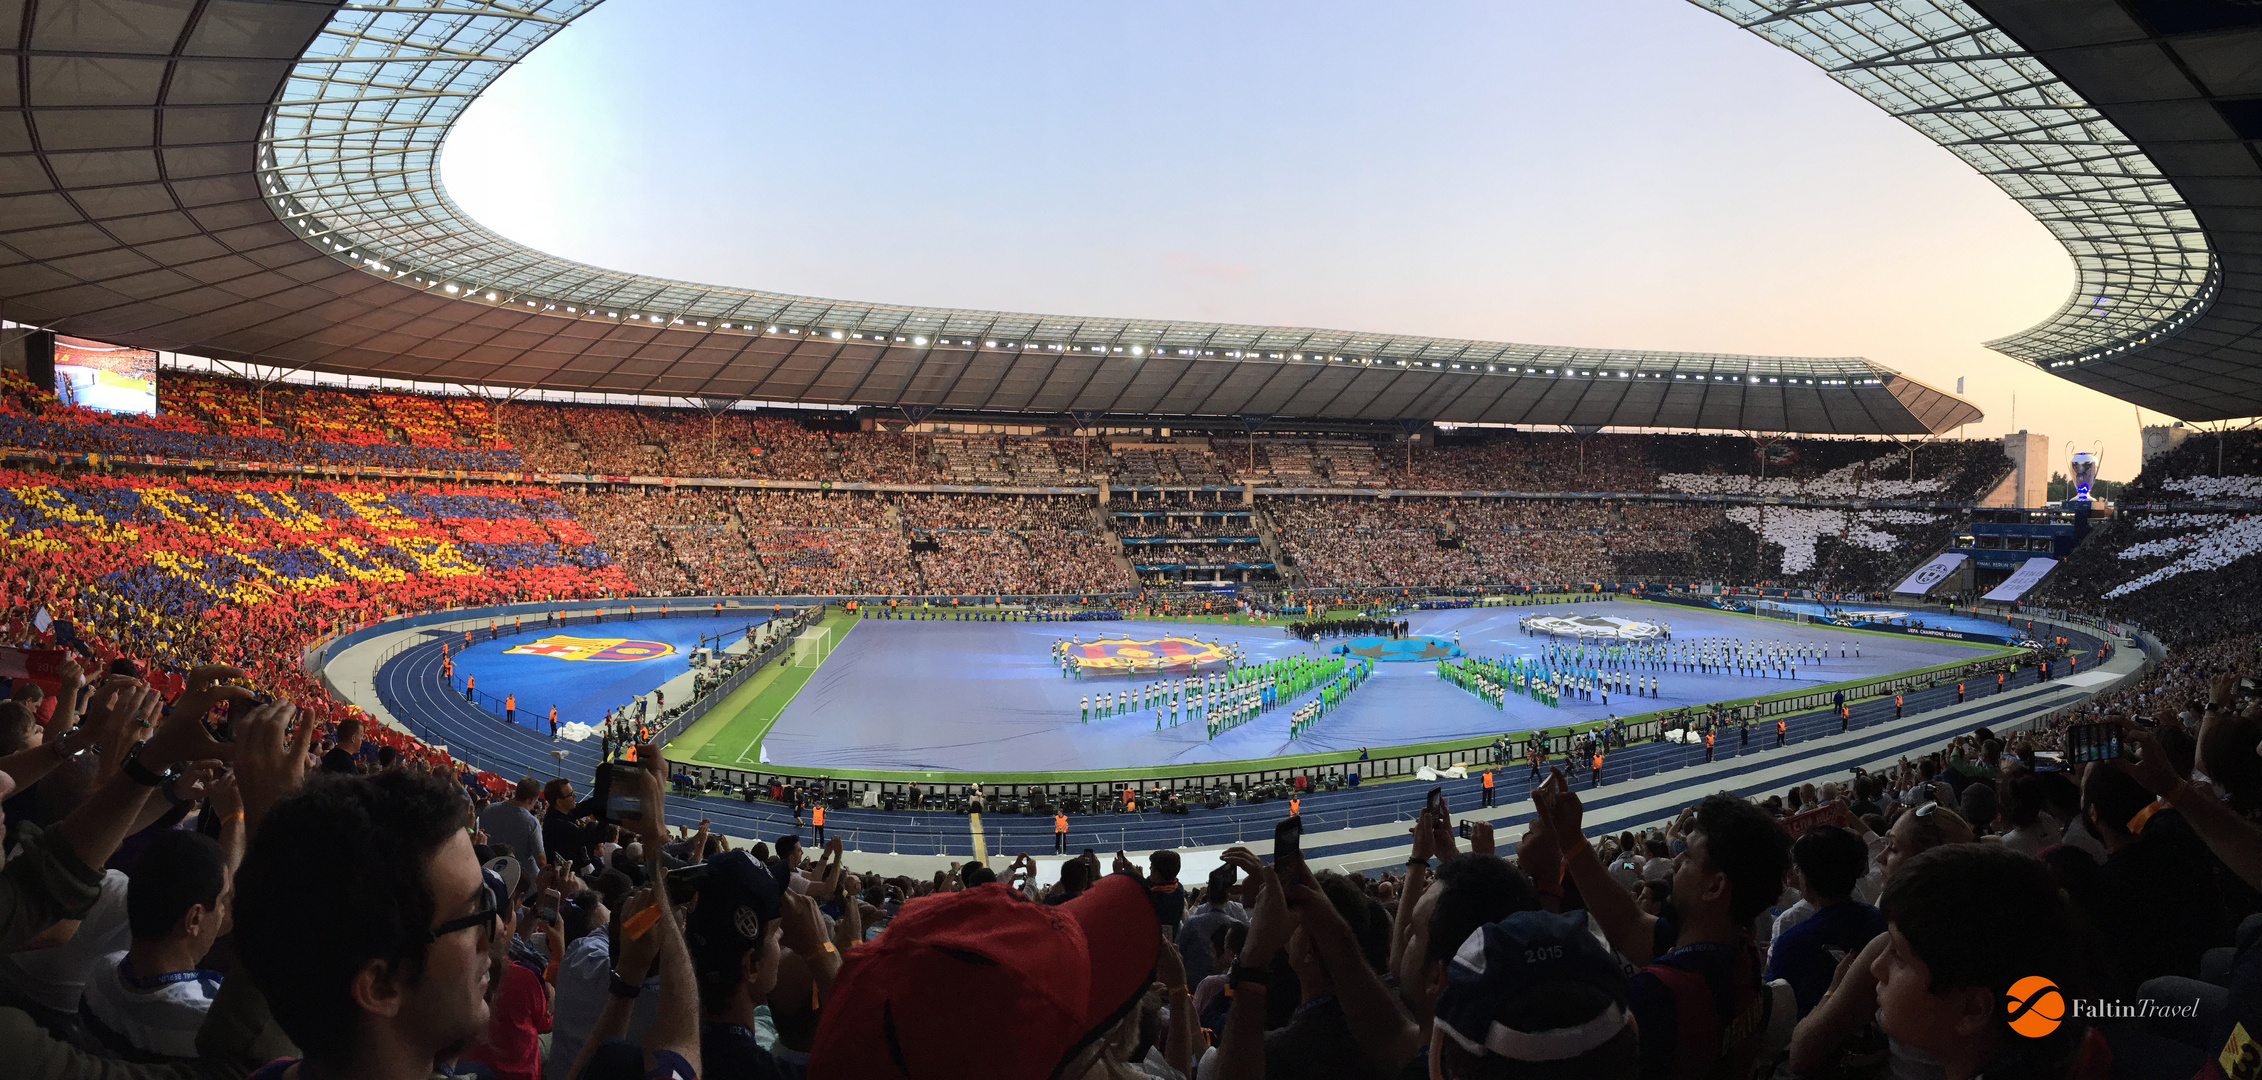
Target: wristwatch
(622, 988)
(141, 774)
(1243, 973)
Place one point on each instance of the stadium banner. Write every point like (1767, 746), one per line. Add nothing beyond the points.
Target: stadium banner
(2027, 576)
(2007, 635)
(1930, 575)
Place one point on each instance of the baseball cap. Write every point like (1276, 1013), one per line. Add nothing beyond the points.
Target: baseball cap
(737, 898)
(505, 867)
(498, 889)
(1038, 983)
(1519, 989)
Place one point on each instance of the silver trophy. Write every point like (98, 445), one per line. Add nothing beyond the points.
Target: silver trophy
(2084, 473)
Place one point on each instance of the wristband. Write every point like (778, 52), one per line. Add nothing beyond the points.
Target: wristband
(624, 989)
(140, 773)
(1242, 973)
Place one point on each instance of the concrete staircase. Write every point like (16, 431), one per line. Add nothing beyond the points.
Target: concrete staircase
(1290, 575)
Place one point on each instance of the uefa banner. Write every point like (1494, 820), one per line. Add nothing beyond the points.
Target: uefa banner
(2029, 574)
(1930, 575)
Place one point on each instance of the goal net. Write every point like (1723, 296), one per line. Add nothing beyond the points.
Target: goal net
(812, 646)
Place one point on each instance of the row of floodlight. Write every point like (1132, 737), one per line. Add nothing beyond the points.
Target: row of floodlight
(920, 341)
(2097, 308)
(455, 289)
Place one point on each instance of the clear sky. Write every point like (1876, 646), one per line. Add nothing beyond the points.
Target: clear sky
(1630, 173)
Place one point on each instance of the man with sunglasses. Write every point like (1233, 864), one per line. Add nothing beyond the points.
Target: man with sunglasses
(364, 920)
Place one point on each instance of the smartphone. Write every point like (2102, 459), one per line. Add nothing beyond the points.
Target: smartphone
(616, 803)
(238, 708)
(2248, 688)
(2094, 742)
(550, 915)
(1288, 841)
(1462, 830)
(1437, 799)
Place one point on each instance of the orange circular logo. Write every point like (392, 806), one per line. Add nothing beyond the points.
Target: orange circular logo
(2036, 1006)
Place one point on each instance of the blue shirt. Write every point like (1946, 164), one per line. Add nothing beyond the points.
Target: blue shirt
(1807, 955)
(583, 978)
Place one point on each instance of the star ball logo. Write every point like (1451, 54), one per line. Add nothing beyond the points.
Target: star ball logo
(2036, 1006)
(567, 647)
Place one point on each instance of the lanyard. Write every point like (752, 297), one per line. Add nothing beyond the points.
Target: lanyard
(125, 972)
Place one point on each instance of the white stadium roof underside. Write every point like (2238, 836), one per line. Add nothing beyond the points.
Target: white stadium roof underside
(256, 180)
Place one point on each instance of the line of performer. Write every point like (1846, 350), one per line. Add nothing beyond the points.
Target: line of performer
(1493, 680)
(1766, 658)
(1225, 699)
(1315, 629)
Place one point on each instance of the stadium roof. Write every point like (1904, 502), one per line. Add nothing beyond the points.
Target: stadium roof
(256, 180)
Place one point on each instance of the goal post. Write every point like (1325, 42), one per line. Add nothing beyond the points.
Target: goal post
(812, 646)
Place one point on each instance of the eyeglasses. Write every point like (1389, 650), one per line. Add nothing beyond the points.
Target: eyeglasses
(487, 916)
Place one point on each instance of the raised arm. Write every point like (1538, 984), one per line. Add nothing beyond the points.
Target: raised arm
(2233, 839)
(1631, 931)
(1378, 1023)
(1241, 1052)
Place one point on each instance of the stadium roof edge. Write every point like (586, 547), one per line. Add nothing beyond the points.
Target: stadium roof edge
(262, 187)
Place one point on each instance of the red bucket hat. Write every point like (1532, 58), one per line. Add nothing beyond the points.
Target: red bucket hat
(984, 984)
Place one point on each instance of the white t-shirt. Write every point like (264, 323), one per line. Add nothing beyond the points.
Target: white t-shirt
(2031, 839)
(1791, 916)
(161, 1019)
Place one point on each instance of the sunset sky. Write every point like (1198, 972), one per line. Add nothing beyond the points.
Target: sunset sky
(1634, 174)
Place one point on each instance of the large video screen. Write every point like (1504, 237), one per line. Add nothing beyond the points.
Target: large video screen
(111, 378)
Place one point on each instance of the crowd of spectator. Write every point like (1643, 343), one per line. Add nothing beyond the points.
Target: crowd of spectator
(383, 430)
(217, 418)
(294, 412)
(1021, 513)
(1799, 531)
(1479, 542)
(1438, 542)
(835, 561)
(626, 524)
(703, 535)
(169, 572)
(1527, 461)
